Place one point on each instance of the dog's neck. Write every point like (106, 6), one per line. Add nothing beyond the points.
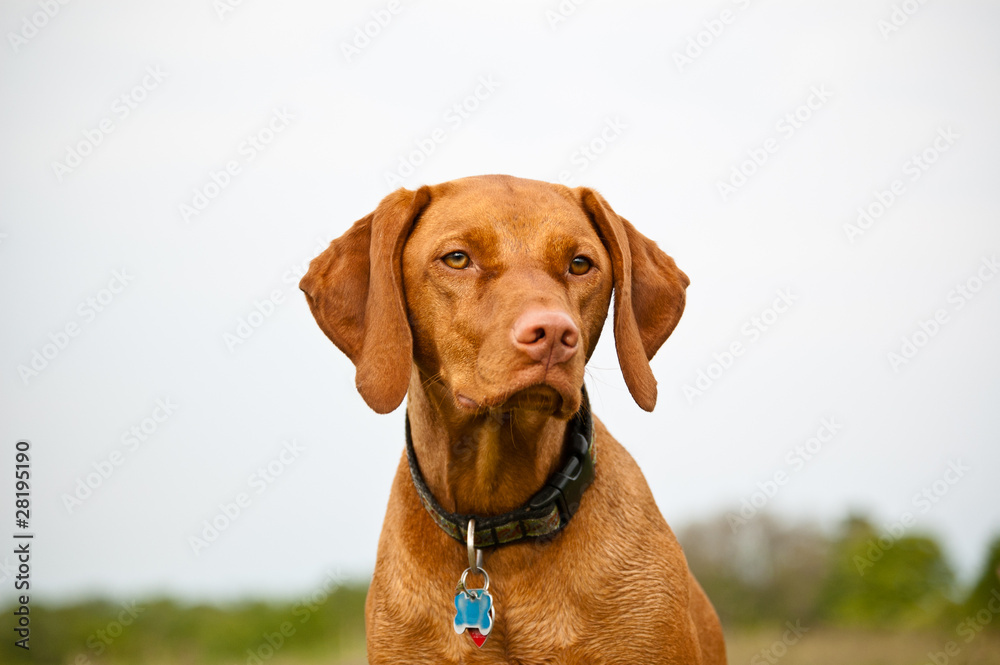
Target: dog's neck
(487, 463)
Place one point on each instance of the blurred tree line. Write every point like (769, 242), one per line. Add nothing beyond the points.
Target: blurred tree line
(764, 571)
(758, 572)
(329, 622)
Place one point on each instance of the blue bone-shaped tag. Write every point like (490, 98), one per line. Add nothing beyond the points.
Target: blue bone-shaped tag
(473, 613)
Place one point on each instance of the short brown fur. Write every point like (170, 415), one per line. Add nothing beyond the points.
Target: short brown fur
(488, 421)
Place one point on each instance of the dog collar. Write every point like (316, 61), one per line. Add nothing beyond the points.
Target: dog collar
(545, 513)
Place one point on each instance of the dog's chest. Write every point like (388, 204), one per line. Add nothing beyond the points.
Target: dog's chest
(538, 626)
(533, 626)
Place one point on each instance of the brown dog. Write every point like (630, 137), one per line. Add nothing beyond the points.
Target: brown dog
(482, 299)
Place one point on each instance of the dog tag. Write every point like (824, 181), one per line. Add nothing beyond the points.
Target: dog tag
(474, 610)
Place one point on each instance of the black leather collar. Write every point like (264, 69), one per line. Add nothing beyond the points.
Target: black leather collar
(545, 514)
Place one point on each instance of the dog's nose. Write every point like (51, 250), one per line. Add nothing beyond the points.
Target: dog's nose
(546, 335)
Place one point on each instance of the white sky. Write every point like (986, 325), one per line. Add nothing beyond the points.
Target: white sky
(679, 134)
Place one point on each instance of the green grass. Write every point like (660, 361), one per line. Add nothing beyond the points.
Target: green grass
(833, 646)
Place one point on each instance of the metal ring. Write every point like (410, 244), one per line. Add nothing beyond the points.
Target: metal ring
(470, 542)
(486, 577)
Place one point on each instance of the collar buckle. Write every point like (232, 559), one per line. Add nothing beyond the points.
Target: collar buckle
(566, 486)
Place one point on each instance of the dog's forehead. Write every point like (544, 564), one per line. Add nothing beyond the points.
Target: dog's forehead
(510, 208)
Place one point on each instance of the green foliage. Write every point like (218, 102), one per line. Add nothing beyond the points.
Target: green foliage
(165, 631)
(761, 571)
(878, 580)
(981, 609)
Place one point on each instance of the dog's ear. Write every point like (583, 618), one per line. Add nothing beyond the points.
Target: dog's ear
(649, 295)
(355, 291)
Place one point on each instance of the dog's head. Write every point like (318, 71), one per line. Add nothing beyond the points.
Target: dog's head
(497, 289)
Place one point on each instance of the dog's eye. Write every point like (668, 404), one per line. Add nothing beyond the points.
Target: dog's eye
(580, 265)
(456, 260)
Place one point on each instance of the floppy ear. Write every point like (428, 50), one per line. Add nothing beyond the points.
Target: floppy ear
(355, 291)
(649, 295)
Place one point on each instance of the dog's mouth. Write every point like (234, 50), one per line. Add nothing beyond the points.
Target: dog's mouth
(539, 397)
(533, 398)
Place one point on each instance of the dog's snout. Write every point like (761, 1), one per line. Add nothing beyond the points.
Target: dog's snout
(546, 335)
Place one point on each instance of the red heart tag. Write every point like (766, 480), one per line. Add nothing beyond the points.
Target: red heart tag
(477, 637)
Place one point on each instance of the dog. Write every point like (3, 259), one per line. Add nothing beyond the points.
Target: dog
(481, 300)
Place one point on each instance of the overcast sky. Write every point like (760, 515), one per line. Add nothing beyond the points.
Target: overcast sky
(169, 168)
